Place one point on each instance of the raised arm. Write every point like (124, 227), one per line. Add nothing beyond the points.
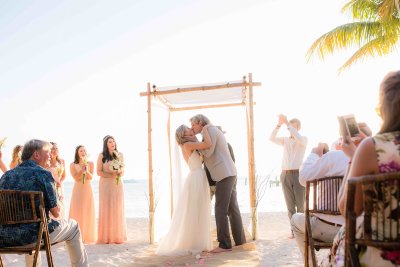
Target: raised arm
(273, 138)
(77, 175)
(364, 162)
(297, 136)
(2, 165)
(101, 172)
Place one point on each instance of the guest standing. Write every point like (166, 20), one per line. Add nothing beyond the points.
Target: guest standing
(294, 148)
(57, 169)
(112, 224)
(82, 200)
(16, 156)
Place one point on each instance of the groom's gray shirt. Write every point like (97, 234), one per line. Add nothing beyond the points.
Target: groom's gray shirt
(217, 158)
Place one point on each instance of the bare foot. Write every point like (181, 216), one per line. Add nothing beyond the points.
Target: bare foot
(220, 250)
(291, 236)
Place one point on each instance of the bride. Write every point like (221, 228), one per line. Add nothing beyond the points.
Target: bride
(190, 229)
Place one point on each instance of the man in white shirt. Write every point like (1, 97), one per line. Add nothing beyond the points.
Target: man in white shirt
(294, 148)
(317, 165)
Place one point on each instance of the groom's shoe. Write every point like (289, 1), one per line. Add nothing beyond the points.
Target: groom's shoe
(220, 250)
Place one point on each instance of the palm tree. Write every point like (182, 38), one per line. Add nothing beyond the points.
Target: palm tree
(375, 31)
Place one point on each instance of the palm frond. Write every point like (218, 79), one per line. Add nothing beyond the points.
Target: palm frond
(347, 35)
(380, 46)
(362, 9)
(388, 10)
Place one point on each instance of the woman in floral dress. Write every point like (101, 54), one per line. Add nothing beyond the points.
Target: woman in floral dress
(110, 168)
(374, 155)
(57, 169)
(82, 199)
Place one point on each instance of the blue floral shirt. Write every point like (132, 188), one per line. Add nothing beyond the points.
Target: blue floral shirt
(28, 176)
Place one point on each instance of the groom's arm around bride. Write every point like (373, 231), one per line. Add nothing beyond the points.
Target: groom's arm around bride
(222, 169)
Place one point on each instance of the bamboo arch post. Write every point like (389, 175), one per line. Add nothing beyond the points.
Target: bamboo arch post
(251, 161)
(170, 162)
(252, 168)
(150, 155)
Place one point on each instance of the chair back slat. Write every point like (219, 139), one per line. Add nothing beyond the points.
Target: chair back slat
(18, 207)
(324, 197)
(325, 191)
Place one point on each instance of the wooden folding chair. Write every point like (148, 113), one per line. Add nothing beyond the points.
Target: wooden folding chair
(324, 193)
(381, 225)
(20, 207)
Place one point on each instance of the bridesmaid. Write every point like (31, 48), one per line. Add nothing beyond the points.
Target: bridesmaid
(16, 156)
(57, 169)
(82, 198)
(112, 224)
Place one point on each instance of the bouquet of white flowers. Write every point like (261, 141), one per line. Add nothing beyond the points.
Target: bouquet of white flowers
(116, 165)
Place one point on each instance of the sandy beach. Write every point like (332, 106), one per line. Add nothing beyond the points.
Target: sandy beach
(273, 248)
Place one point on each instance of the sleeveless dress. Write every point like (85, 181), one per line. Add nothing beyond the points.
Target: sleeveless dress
(387, 147)
(57, 172)
(82, 208)
(112, 223)
(190, 229)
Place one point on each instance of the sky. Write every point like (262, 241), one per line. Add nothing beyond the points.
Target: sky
(71, 72)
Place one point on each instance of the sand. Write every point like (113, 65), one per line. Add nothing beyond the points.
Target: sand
(272, 248)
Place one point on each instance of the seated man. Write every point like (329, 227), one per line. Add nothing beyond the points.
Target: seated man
(31, 175)
(317, 165)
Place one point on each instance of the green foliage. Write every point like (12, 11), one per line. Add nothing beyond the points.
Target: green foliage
(374, 31)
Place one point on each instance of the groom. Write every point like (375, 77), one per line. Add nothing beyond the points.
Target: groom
(222, 168)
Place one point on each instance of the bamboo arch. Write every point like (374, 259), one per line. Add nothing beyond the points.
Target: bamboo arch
(231, 94)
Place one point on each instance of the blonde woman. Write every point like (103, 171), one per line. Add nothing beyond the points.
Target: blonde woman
(57, 169)
(82, 199)
(16, 156)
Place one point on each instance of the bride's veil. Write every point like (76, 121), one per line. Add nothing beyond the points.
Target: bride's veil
(163, 211)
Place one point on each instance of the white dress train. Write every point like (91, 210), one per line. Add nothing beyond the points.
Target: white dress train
(190, 229)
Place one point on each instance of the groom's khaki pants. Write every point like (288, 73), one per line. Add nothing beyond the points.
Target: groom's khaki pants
(226, 205)
(69, 232)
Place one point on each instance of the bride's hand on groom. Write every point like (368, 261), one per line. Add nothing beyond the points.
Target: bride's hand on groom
(191, 138)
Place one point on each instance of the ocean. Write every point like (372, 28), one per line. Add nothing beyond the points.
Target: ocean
(136, 203)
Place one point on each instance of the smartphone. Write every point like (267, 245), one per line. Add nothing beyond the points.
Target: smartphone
(349, 127)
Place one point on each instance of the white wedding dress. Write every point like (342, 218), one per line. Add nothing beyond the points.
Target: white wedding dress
(190, 229)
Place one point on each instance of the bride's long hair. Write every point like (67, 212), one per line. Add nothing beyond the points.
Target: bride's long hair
(180, 134)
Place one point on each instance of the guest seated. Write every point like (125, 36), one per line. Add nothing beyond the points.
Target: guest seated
(31, 175)
(374, 155)
(317, 165)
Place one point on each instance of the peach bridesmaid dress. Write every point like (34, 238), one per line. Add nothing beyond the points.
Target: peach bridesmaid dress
(112, 224)
(82, 208)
